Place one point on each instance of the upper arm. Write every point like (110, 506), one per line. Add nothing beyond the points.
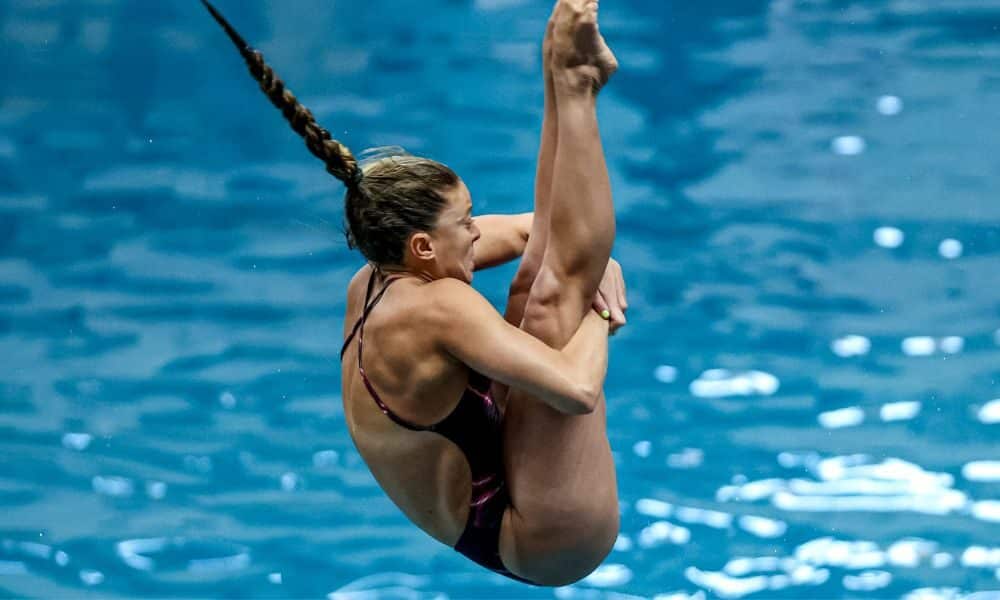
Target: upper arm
(502, 238)
(471, 330)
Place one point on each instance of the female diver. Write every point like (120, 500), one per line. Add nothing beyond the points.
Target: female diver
(483, 433)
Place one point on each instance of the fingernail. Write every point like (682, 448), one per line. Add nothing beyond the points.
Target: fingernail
(605, 314)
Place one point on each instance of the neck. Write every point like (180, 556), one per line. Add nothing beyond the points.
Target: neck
(400, 270)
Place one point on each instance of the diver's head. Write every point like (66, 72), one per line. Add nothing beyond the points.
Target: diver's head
(411, 213)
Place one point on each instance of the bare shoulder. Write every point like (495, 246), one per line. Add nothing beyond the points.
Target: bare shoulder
(360, 279)
(450, 302)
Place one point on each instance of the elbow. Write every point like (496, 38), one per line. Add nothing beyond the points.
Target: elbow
(585, 400)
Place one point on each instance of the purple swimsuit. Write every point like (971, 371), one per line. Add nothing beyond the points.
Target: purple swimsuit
(475, 426)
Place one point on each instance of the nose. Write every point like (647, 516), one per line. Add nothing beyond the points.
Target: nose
(475, 231)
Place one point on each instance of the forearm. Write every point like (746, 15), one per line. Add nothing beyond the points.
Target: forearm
(588, 352)
(503, 238)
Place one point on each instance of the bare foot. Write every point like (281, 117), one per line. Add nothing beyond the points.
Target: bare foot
(578, 49)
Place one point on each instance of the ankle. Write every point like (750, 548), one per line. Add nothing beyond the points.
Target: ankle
(581, 84)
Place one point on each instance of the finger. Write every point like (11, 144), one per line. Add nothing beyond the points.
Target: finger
(621, 291)
(617, 316)
(601, 305)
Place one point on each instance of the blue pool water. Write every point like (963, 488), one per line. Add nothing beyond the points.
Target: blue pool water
(805, 402)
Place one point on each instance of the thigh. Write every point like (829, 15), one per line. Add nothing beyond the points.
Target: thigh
(559, 468)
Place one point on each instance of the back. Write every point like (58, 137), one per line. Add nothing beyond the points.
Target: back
(422, 472)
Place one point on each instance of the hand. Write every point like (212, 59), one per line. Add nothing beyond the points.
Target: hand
(579, 53)
(610, 296)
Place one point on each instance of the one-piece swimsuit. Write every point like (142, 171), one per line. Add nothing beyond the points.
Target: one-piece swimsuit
(475, 426)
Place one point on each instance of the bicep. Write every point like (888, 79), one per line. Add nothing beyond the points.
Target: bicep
(479, 337)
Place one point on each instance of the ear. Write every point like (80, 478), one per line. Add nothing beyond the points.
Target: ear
(421, 246)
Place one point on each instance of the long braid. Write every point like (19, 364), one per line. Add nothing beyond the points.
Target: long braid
(338, 159)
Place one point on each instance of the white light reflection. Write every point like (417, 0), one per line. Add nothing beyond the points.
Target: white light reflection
(763, 527)
(688, 458)
(385, 585)
(981, 556)
(929, 593)
(889, 105)
(609, 575)
(889, 237)
(848, 145)
(982, 470)
(986, 510)
(738, 567)
(990, 412)
(853, 483)
(661, 532)
(703, 516)
(642, 448)
(950, 248)
(910, 552)
(827, 551)
(156, 490)
(867, 581)
(727, 586)
(115, 487)
(141, 553)
(899, 411)
(920, 345)
(720, 383)
(842, 417)
(227, 400)
(665, 374)
(952, 344)
(851, 345)
(653, 508)
(699, 595)
(325, 459)
(91, 577)
(76, 441)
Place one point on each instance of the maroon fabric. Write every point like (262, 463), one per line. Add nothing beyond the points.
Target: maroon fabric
(475, 426)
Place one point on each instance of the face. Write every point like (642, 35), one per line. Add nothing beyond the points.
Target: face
(455, 234)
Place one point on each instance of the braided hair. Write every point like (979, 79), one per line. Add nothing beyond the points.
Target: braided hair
(388, 199)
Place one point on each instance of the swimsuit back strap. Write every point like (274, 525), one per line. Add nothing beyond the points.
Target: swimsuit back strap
(359, 330)
(367, 309)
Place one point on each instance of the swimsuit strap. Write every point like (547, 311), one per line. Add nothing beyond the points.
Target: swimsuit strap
(359, 329)
(364, 313)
